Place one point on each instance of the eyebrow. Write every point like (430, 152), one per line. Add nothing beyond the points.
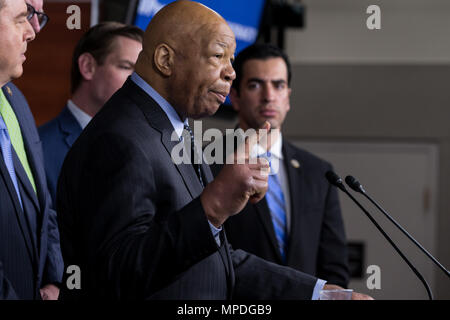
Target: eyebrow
(22, 14)
(128, 62)
(259, 80)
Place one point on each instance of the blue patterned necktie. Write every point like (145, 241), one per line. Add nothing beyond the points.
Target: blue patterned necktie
(276, 202)
(6, 147)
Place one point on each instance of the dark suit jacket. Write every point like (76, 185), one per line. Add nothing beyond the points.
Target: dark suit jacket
(316, 243)
(133, 221)
(30, 255)
(57, 137)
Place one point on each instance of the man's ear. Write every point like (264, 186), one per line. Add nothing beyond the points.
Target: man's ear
(87, 65)
(163, 59)
(234, 97)
(289, 98)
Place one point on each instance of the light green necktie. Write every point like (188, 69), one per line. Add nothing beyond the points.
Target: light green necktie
(15, 135)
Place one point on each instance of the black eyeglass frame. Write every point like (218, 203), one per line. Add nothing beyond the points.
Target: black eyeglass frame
(43, 18)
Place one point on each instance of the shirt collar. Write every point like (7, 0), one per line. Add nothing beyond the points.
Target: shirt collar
(173, 116)
(276, 148)
(82, 117)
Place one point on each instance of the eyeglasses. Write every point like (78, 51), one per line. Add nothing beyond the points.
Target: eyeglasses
(42, 17)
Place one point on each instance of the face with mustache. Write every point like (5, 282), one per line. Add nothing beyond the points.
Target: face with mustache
(263, 94)
(203, 72)
(15, 33)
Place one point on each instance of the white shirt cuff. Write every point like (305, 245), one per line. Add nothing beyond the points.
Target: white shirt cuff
(319, 286)
(215, 232)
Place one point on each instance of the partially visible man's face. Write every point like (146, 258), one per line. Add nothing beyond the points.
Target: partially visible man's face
(117, 66)
(203, 71)
(38, 6)
(264, 93)
(15, 33)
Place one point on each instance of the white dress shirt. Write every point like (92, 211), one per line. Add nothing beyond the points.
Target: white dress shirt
(82, 117)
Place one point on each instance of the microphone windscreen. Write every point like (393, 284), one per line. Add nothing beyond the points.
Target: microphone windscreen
(353, 183)
(333, 178)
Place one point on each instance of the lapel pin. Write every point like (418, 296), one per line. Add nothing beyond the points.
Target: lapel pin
(9, 91)
(295, 163)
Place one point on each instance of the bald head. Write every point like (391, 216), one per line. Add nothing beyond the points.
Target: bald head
(184, 40)
(176, 21)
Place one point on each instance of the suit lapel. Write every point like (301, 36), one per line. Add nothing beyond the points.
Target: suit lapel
(26, 184)
(159, 120)
(206, 172)
(30, 194)
(296, 187)
(18, 210)
(30, 146)
(69, 126)
(185, 169)
(20, 174)
(266, 218)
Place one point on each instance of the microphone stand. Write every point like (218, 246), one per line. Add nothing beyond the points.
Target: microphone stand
(338, 183)
(355, 185)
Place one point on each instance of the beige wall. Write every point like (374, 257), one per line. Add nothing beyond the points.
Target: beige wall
(412, 31)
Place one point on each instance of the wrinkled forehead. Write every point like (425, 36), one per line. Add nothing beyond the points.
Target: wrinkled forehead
(218, 33)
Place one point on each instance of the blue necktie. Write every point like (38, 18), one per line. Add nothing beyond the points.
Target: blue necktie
(6, 147)
(276, 203)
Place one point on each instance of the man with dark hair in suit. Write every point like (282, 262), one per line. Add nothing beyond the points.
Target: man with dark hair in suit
(102, 60)
(30, 258)
(141, 226)
(299, 222)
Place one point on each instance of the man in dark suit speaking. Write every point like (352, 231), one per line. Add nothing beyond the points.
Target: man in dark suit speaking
(299, 222)
(140, 226)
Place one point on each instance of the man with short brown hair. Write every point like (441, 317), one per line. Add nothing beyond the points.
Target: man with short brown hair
(102, 60)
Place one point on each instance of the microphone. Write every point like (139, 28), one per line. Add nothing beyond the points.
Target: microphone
(335, 180)
(355, 185)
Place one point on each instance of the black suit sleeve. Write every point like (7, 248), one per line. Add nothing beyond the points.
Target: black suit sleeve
(54, 264)
(131, 247)
(259, 279)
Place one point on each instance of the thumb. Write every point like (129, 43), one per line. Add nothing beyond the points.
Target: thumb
(263, 134)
